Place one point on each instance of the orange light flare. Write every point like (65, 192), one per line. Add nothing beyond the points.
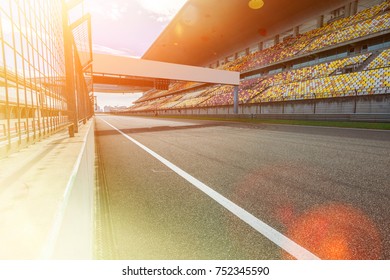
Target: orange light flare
(256, 4)
(336, 232)
(332, 231)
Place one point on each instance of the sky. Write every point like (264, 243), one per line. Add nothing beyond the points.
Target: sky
(127, 27)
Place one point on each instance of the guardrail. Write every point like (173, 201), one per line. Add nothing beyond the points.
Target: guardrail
(18, 133)
(71, 233)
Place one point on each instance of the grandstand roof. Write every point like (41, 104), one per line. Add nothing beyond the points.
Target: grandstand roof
(204, 31)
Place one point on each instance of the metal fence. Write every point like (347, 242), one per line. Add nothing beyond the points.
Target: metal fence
(36, 86)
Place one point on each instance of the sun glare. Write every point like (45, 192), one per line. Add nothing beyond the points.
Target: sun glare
(167, 8)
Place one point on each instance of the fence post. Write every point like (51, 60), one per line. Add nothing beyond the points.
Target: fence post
(69, 69)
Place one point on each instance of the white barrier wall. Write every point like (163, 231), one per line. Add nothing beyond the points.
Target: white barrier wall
(74, 238)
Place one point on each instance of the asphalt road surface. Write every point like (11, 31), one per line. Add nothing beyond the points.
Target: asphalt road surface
(186, 189)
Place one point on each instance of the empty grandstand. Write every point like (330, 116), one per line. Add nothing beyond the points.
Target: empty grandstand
(306, 69)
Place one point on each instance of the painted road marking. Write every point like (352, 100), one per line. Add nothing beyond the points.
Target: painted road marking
(276, 237)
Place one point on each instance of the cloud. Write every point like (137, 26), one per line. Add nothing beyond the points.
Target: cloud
(107, 50)
(115, 10)
(162, 10)
(116, 99)
(112, 10)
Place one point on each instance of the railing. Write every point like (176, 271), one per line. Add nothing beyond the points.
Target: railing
(39, 94)
(14, 131)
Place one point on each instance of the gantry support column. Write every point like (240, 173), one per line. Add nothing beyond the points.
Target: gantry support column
(235, 93)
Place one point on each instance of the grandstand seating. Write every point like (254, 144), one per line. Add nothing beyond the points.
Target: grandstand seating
(191, 99)
(382, 60)
(286, 49)
(360, 29)
(171, 101)
(367, 22)
(193, 102)
(251, 88)
(334, 78)
(359, 83)
(223, 95)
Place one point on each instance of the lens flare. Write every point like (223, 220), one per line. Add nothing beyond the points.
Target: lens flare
(336, 232)
(256, 4)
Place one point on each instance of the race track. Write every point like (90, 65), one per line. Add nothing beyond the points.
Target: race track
(189, 189)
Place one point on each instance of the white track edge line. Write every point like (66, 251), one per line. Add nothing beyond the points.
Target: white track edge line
(273, 235)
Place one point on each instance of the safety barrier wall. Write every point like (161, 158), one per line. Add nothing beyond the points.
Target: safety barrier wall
(72, 231)
(369, 108)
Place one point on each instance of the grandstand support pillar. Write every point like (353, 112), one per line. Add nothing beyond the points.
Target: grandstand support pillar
(354, 7)
(296, 31)
(348, 9)
(315, 104)
(320, 21)
(261, 46)
(277, 39)
(235, 96)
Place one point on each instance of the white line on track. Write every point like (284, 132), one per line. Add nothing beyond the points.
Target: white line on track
(276, 237)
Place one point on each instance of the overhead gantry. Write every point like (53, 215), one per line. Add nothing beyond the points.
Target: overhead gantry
(126, 74)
